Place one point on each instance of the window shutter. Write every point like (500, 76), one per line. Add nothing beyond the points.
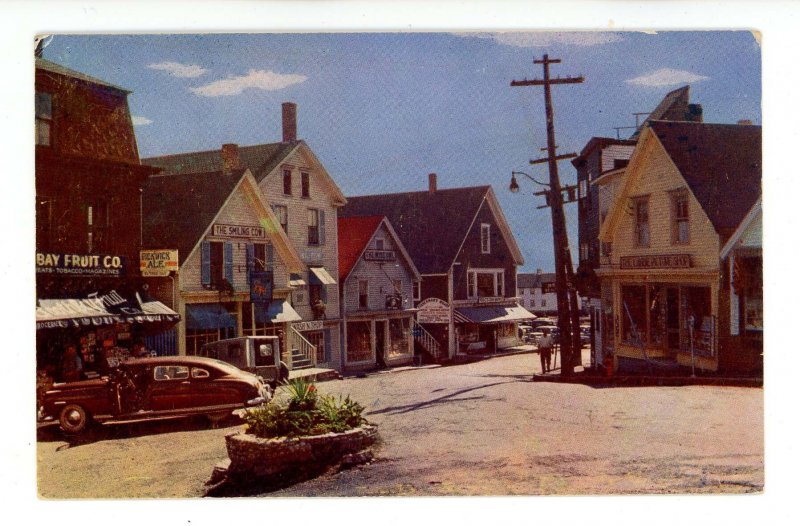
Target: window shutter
(322, 227)
(251, 254)
(205, 263)
(228, 262)
(328, 351)
(270, 255)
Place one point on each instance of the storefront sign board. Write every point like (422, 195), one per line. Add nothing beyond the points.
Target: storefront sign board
(158, 262)
(433, 310)
(656, 261)
(81, 265)
(238, 231)
(379, 255)
(304, 326)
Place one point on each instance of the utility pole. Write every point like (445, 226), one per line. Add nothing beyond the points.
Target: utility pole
(566, 293)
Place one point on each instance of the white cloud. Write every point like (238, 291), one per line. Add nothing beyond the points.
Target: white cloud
(666, 77)
(179, 70)
(255, 79)
(549, 38)
(140, 121)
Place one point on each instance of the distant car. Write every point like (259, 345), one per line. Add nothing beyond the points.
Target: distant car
(260, 355)
(154, 389)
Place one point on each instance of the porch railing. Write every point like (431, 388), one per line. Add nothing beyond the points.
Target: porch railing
(425, 340)
(304, 353)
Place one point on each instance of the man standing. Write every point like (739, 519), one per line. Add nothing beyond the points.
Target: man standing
(545, 350)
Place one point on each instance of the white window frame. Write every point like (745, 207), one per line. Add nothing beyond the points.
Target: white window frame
(486, 238)
(417, 290)
(498, 279)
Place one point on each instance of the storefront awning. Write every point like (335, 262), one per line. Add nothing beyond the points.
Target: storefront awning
(495, 314)
(208, 316)
(107, 309)
(320, 276)
(276, 312)
(295, 280)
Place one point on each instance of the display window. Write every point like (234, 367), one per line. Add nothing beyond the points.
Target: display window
(399, 334)
(359, 342)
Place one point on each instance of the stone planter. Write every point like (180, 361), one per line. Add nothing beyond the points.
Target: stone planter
(251, 456)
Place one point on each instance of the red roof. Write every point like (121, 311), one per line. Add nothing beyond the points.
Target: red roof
(354, 234)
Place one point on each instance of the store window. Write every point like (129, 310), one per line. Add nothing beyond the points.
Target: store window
(287, 182)
(634, 314)
(44, 118)
(680, 217)
(282, 214)
(641, 214)
(359, 344)
(305, 185)
(657, 306)
(399, 342)
(753, 294)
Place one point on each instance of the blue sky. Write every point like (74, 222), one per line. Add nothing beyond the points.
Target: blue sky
(382, 110)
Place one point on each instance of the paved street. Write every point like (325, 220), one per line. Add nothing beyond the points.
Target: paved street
(480, 428)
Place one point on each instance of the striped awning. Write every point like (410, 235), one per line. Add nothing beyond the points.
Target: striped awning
(494, 314)
(107, 309)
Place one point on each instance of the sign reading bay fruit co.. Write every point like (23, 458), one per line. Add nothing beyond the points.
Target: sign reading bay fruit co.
(239, 231)
(158, 262)
(656, 261)
(83, 265)
(433, 310)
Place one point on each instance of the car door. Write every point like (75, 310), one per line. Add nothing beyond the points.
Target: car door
(171, 387)
(211, 387)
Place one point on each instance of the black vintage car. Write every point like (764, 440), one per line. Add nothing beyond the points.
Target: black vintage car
(154, 388)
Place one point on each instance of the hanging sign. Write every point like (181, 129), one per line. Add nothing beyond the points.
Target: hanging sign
(158, 262)
(433, 310)
(261, 284)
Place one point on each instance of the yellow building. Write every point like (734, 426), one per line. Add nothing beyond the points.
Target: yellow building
(665, 281)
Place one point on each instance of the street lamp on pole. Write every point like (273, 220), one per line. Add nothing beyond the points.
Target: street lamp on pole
(514, 186)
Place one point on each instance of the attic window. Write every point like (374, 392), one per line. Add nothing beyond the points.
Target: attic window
(305, 185)
(287, 182)
(486, 245)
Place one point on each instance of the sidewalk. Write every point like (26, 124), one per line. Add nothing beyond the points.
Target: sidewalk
(592, 378)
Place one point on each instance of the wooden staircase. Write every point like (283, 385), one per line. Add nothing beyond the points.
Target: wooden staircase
(304, 353)
(426, 342)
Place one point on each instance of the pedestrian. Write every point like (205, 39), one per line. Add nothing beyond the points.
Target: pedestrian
(546, 350)
(71, 364)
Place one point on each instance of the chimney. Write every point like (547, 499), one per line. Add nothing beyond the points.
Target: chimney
(695, 113)
(538, 271)
(431, 183)
(289, 121)
(745, 122)
(230, 158)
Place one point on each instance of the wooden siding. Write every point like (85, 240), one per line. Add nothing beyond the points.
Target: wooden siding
(379, 277)
(657, 177)
(320, 198)
(613, 152)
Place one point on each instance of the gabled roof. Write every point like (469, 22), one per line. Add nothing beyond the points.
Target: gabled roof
(355, 234)
(673, 107)
(721, 164)
(432, 225)
(46, 65)
(529, 280)
(178, 210)
(751, 220)
(261, 159)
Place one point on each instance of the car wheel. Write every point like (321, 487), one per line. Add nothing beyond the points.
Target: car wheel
(73, 419)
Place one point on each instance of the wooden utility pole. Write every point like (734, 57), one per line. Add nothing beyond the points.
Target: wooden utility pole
(566, 294)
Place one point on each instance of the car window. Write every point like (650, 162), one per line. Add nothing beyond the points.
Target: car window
(199, 373)
(170, 372)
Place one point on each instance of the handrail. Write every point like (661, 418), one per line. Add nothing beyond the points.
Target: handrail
(425, 339)
(307, 349)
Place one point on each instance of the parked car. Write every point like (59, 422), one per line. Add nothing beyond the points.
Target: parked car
(154, 388)
(260, 355)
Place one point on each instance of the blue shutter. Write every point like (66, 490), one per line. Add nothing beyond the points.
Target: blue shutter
(328, 352)
(250, 255)
(205, 263)
(270, 256)
(228, 262)
(322, 227)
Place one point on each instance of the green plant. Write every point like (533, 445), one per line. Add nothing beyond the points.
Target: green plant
(305, 413)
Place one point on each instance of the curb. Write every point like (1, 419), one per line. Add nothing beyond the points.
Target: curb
(648, 381)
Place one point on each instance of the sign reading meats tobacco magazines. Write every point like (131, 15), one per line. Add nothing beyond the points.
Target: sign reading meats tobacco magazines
(240, 231)
(656, 261)
(433, 310)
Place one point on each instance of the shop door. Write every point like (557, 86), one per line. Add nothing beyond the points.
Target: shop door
(673, 319)
(380, 342)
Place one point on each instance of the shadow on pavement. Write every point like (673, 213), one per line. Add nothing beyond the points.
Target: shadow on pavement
(98, 432)
(400, 409)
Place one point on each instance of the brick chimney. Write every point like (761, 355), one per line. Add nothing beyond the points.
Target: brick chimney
(230, 158)
(744, 122)
(289, 121)
(431, 183)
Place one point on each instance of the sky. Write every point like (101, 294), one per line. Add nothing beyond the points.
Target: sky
(383, 110)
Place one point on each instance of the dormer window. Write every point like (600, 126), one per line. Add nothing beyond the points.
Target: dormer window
(379, 244)
(305, 185)
(287, 182)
